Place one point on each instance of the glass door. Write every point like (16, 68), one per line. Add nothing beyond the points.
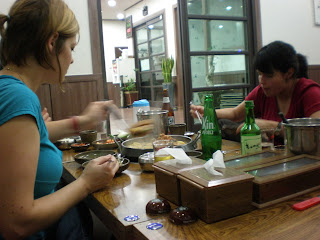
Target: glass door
(217, 50)
(150, 48)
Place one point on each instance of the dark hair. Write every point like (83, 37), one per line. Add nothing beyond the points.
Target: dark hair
(30, 24)
(281, 56)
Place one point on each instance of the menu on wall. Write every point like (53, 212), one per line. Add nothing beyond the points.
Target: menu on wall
(129, 26)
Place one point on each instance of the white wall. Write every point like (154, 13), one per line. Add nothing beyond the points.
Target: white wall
(291, 21)
(114, 35)
(82, 56)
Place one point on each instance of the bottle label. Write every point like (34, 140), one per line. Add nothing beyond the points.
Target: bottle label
(171, 120)
(207, 127)
(250, 144)
(166, 99)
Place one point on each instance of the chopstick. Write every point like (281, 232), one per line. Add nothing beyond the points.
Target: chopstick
(68, 161)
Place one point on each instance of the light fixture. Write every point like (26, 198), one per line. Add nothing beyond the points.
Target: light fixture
(228, 8)
(120, 16)
(220, 26)
(112, 3)
(151, 26)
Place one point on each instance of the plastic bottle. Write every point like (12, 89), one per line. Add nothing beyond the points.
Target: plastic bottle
(250, 132)
(140, 105)
(167, 106)
(210, 131)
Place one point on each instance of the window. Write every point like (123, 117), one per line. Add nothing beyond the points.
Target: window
(217, 51)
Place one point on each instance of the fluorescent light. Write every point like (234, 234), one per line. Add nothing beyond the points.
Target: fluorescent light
(120, 16)
(228, 8)
(112, 3)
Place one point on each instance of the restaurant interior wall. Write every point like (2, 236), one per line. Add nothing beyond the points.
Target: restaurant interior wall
(85, 77)
(291, 21)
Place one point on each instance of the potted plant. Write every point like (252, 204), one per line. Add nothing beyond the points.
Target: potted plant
(167, 66)
(130, 92)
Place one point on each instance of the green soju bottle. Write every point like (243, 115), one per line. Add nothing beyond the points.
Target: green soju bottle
(250, 132)
(210, 131)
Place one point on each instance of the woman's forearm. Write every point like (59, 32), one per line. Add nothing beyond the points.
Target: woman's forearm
(67, 127)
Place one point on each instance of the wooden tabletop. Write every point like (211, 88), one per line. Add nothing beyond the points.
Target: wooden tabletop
(130, 191)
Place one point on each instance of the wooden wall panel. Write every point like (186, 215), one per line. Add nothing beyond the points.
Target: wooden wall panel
(44, 96)
(314, 73)
(74, 99)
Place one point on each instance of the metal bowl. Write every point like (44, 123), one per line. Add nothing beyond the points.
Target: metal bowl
(146, 161)
(303, 135)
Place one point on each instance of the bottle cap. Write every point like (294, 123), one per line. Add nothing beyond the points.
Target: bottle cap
(249, 103)
(209, 96)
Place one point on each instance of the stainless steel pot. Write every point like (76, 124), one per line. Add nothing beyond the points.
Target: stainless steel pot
(303, 135)
(134, 153)
(160, 118)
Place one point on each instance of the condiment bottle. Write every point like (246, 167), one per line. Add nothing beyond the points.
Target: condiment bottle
(250, 132)
(210, 131)
(167, 106)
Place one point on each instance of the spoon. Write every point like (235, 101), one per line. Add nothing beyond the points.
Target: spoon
(283, 117)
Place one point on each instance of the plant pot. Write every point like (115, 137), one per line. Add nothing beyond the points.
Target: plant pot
(170, 87)
(131, 97)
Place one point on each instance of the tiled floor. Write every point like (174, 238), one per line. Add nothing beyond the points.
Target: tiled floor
(127, 113)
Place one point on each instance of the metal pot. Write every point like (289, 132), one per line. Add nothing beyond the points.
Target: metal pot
(160, 118)
(303, 135)
(134, 153)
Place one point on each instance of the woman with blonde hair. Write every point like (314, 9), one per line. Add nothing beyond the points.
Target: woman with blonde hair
(37, 40)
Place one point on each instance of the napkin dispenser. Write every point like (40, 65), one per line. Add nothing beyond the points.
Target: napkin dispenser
(214, 197)
(284, 179)
(167, 183)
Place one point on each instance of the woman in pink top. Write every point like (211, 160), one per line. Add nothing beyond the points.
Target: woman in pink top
(283, 87)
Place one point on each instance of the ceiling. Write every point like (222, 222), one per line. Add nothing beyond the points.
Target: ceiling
(111, 12)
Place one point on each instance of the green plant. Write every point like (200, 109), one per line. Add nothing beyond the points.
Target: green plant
(130, 86)
(166, 66)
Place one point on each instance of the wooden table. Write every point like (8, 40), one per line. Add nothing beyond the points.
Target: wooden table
(129, 193)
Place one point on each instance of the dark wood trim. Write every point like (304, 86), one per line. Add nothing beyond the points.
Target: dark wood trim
(96, 39)
(94, 36)
(83, 78)
(257, 23)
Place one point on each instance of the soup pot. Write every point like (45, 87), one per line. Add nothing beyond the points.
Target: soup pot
(134, 153)
(303, 135)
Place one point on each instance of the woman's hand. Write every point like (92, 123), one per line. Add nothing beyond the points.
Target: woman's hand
(45, 115)
(96, 112)
(99, 172)
(194, 108)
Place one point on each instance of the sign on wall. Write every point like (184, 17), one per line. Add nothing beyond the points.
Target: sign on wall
(129, 26)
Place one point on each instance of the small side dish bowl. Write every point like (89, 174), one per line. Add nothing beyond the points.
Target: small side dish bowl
(146, 161)
(124, 164)
(88, 136)
(105, 144)
(80, 147)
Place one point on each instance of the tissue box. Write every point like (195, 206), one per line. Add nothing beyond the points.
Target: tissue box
(167, 183)
(214, 198)
(284, 179)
